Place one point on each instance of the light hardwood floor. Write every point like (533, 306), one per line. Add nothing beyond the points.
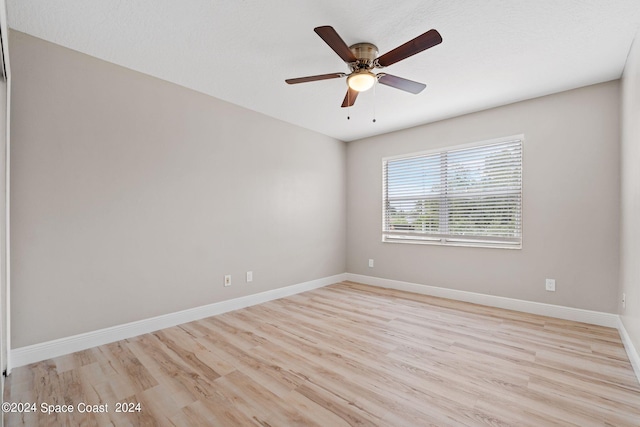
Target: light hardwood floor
(346, 354)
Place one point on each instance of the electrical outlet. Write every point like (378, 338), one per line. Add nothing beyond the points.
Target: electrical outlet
(624, 300)
(249, 276)
(371, 263)
(227, 280)
(550, 285)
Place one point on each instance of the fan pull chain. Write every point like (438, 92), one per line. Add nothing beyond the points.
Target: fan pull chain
(348, 105)
(375, 83)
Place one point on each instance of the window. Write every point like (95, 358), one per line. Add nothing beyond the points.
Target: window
(465, 196)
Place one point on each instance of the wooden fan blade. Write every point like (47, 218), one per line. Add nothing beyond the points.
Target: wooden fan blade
(410, 48)
(350, 98)
(402, 84)
(315, 78)
(335, 42)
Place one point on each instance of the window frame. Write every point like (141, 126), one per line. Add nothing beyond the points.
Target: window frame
(449, 239)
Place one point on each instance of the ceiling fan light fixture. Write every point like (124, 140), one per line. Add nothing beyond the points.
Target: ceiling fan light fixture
(361, 80)
(362, 58)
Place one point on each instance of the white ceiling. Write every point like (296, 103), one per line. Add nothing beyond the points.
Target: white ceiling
(493, 52)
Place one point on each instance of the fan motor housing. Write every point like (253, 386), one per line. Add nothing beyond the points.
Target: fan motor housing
(365, 52)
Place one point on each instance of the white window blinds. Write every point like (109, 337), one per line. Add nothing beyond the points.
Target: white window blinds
(464, 196)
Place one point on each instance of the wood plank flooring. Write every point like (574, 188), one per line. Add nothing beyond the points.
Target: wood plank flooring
(345, 355)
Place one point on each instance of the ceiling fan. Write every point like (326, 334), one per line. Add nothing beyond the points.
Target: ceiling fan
(362, 58)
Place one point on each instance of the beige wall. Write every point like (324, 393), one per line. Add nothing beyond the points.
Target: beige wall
(570, 214)
(630, 195)
(132, 197)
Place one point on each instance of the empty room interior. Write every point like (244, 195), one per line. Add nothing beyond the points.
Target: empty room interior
(335, 213)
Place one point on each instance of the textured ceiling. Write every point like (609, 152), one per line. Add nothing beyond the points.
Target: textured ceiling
(493, 52)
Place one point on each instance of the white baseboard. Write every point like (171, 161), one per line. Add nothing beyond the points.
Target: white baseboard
(632, 352)
(557, 311)
(47, 350)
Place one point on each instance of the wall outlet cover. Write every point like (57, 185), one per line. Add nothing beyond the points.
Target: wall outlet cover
(550, 285)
